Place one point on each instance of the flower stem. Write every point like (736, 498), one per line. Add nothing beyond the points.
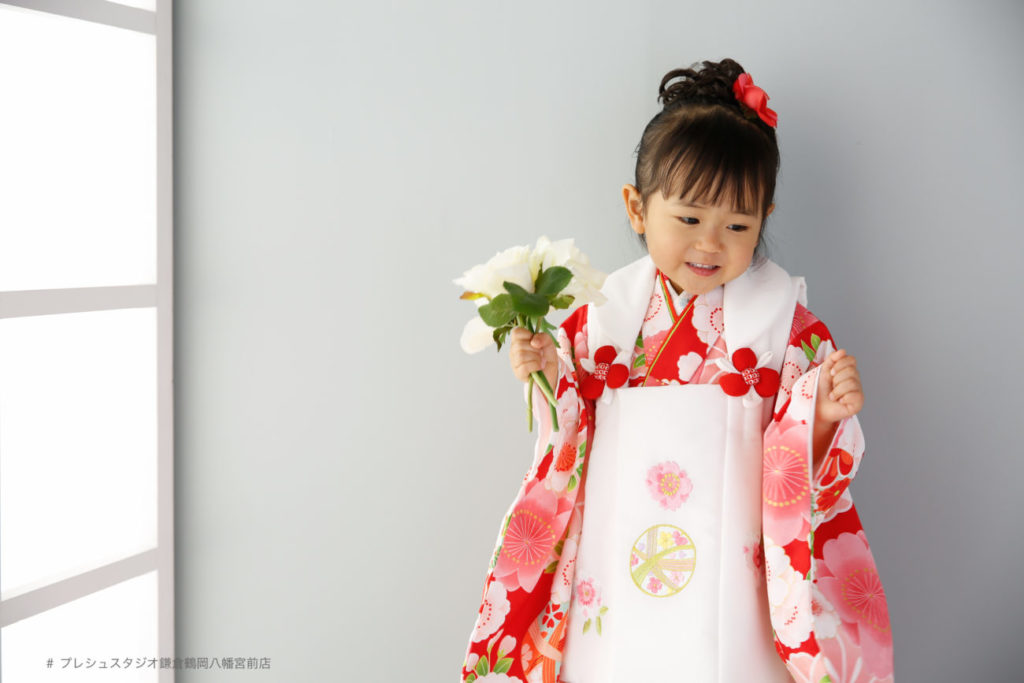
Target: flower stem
(529, 404)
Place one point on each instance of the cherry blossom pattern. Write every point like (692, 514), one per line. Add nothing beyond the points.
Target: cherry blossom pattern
(530, 537)
(493, 666)
(849, 580)
(602, 371)
(587, 600)
(708, 317)
(747, 373)
(785, 484)
(668, 484)
(665, 553)
(788, 595)
(492, 612)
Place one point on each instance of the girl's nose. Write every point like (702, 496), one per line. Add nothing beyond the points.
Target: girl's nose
(708, 240)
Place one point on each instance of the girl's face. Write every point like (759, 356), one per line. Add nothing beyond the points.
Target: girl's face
(697, 246)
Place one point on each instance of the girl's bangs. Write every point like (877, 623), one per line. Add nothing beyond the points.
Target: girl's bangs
(708, 171)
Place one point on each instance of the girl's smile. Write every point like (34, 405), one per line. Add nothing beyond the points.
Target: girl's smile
(697, 246)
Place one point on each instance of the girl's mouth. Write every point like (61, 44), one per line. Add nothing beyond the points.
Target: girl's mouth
(702, 269)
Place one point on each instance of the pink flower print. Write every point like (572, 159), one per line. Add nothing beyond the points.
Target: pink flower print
(669, 485)
(654, 585)
(535, 525)
(493, 610)
(579, 342)
(634, 560)
(754, 553)
(806, 668)
(785, 483)
(851, 583)
(588, 596)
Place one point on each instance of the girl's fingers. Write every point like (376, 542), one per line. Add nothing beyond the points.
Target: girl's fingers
(853, 402)
(843, 374)
(843, 388)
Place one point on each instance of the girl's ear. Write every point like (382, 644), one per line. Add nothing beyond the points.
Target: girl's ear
(634, 207)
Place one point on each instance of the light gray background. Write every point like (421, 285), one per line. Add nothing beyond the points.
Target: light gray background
(342, 466)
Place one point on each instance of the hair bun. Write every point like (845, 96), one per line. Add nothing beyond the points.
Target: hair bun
(711, 84)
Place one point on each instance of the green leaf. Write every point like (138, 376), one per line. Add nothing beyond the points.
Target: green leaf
(640, 340)
(563, 301)
(471, 295)
(482, 668)
(808, 351)
(550, 569)
(599, 626)
(501, 334)
(572, 483)
(586, 625)
(524, 302)
(603, 609)
(583, 447)
(470, 678)
(499, 312)
(553, 280)
(640, 360)
(559, 546)
(503, 665)
(825, 679)
(815, 341)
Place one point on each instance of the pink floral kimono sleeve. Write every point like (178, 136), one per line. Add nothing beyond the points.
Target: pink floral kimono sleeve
(520, 629)
(828, 607)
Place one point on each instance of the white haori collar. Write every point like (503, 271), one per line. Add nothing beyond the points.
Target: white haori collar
(751, 304)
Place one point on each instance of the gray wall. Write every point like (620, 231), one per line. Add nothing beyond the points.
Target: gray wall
(342, 466)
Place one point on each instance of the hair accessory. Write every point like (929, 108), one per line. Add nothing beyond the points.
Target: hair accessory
(753, 99)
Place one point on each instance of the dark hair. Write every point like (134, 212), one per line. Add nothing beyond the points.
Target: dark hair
(706, 144)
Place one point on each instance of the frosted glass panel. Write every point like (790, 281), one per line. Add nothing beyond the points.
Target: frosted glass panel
(112, 624)
(78, 442)
(78, 168)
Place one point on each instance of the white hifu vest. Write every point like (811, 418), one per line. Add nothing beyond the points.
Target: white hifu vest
(705, 618)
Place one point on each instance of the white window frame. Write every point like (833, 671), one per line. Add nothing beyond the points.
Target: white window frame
(161, 296)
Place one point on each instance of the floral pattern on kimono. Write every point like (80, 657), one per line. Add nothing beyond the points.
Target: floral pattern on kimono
(828, 607)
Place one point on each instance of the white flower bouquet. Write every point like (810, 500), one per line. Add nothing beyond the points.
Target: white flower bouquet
(517, 288)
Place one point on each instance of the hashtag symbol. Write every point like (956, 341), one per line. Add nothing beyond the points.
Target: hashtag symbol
(49, 663)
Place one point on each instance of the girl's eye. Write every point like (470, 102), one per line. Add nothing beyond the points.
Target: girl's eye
(736, 227)
(689, 220)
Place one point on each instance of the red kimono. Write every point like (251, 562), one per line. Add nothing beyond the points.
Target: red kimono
(828, 607)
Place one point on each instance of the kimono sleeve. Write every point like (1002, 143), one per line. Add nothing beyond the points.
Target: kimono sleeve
(520, 628)
(828, 607)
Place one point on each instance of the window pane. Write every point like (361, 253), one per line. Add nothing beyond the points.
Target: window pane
(141, 4)
(77, 442)
(116, 622)
(78, 168)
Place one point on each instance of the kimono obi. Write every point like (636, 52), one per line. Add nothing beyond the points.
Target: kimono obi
(670, 575)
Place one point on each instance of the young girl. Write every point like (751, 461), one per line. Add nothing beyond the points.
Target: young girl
(690, 520)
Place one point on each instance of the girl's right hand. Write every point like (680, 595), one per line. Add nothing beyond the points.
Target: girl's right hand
(532, 352)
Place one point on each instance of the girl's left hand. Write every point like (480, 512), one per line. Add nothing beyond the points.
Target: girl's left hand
(839, 390)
